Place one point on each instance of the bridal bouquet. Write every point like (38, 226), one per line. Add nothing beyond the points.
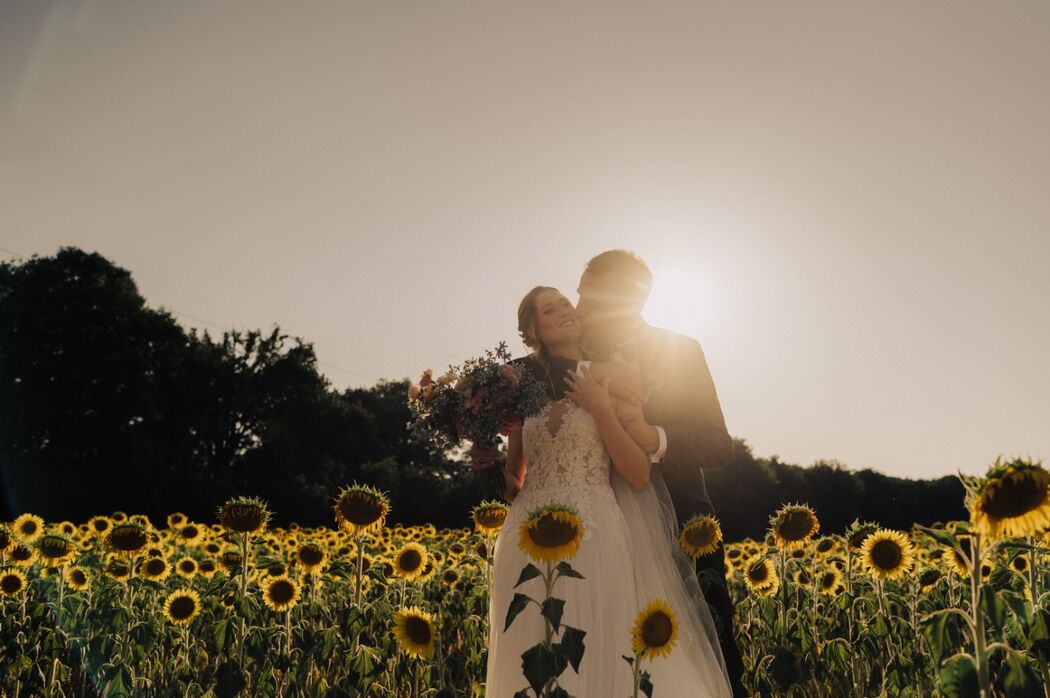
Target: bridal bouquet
(475, 401)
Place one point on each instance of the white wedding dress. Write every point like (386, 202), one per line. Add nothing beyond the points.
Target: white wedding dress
(628, 557)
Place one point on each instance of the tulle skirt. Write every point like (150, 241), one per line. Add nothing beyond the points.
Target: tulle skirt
(604, 604)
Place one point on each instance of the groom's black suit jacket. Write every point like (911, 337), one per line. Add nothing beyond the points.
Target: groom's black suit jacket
(682, 400)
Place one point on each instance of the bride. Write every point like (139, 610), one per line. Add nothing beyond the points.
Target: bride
(576, 452)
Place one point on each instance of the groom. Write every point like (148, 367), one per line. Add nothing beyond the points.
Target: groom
(683, 431)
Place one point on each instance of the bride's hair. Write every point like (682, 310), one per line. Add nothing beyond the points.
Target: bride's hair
(527, 324)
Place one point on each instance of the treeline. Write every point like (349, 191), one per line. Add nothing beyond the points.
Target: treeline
(107, 404)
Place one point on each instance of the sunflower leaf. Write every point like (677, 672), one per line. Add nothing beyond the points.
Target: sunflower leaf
(551, 610)
(530, 571)
(517, 605)
(540, 664)
(959, 677)
(645, 684)
(571, 646)
(564, 569)
(941, 535)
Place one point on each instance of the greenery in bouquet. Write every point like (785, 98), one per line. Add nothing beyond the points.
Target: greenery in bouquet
(475, 400)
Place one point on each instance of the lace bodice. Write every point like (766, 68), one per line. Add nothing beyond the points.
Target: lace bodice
(566, 461)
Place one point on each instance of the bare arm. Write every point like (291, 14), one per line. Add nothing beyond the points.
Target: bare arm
(627, 457)
(515, 470)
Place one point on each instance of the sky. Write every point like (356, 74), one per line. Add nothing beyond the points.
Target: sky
(847, 204)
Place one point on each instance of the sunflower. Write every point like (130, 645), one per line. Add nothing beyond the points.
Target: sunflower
(858, 533)
(99, 524)
(986, 571)
(281, 593)
(793, 525)
(760, 574)
(410, 560)
(55, 549)
(6, 538)
(700, 535)
(450, 577)
(887, 554)
(802, 578)
(929, 579)
(959, 560)
(182, 606)
(118, 570)
(1020, 563)
(176, 519)
(414, 632)
(1013, 500)
(489, 517)
(12, 581)
(311, 556)
(77, 577)
(829, 582)
(551, 533)
(231, 561)
(655, 630)
(825, 545)
(769, 589)
(361, 509)
(186, 567)
(188, 533)
(127, 537)
(28, 527)
(206, 568)
(244, 515)
(22, 555)
(155, 569)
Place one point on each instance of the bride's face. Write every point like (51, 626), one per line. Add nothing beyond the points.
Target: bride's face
(556, 319)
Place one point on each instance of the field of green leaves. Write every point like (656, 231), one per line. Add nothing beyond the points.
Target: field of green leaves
(119, 605)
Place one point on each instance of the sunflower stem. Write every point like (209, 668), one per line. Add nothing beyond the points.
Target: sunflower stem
(360, 571)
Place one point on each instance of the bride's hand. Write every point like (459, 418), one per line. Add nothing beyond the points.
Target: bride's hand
(588, 393)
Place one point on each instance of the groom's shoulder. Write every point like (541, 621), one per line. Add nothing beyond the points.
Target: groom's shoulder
(663, 340)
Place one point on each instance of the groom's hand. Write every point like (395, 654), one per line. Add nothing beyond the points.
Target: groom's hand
(483, 458)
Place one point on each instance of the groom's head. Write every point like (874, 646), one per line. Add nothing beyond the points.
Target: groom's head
(613, 289)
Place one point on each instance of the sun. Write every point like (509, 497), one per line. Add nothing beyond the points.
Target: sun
(683, 299)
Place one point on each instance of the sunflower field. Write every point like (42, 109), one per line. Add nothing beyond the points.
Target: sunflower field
(116, 606)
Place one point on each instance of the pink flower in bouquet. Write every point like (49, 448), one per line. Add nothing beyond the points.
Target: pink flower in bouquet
(427, 378)
(413, 392)
(446, 378)
(428, 392)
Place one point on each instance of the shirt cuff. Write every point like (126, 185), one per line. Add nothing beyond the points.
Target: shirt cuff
(661, 451)
(583, 364)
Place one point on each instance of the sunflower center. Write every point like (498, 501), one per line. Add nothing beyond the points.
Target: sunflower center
(1015, 496)
(154, 566)
(795, 525)
(857, 538)
(182, 607)
(828, 580)
(10, 583)
(128, 538)
(410, 560)
(701, 536)
(549, 532)
(281, 592)
(79, 577)
(21, 552)
(311, 555)
(886, 555)
(656, 629)
(492, 518)
(361, 509)
(243, 518)
(758, 572)
(417, 630)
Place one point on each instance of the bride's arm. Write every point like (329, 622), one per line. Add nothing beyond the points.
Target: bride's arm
(515, 471)
(627, 456)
